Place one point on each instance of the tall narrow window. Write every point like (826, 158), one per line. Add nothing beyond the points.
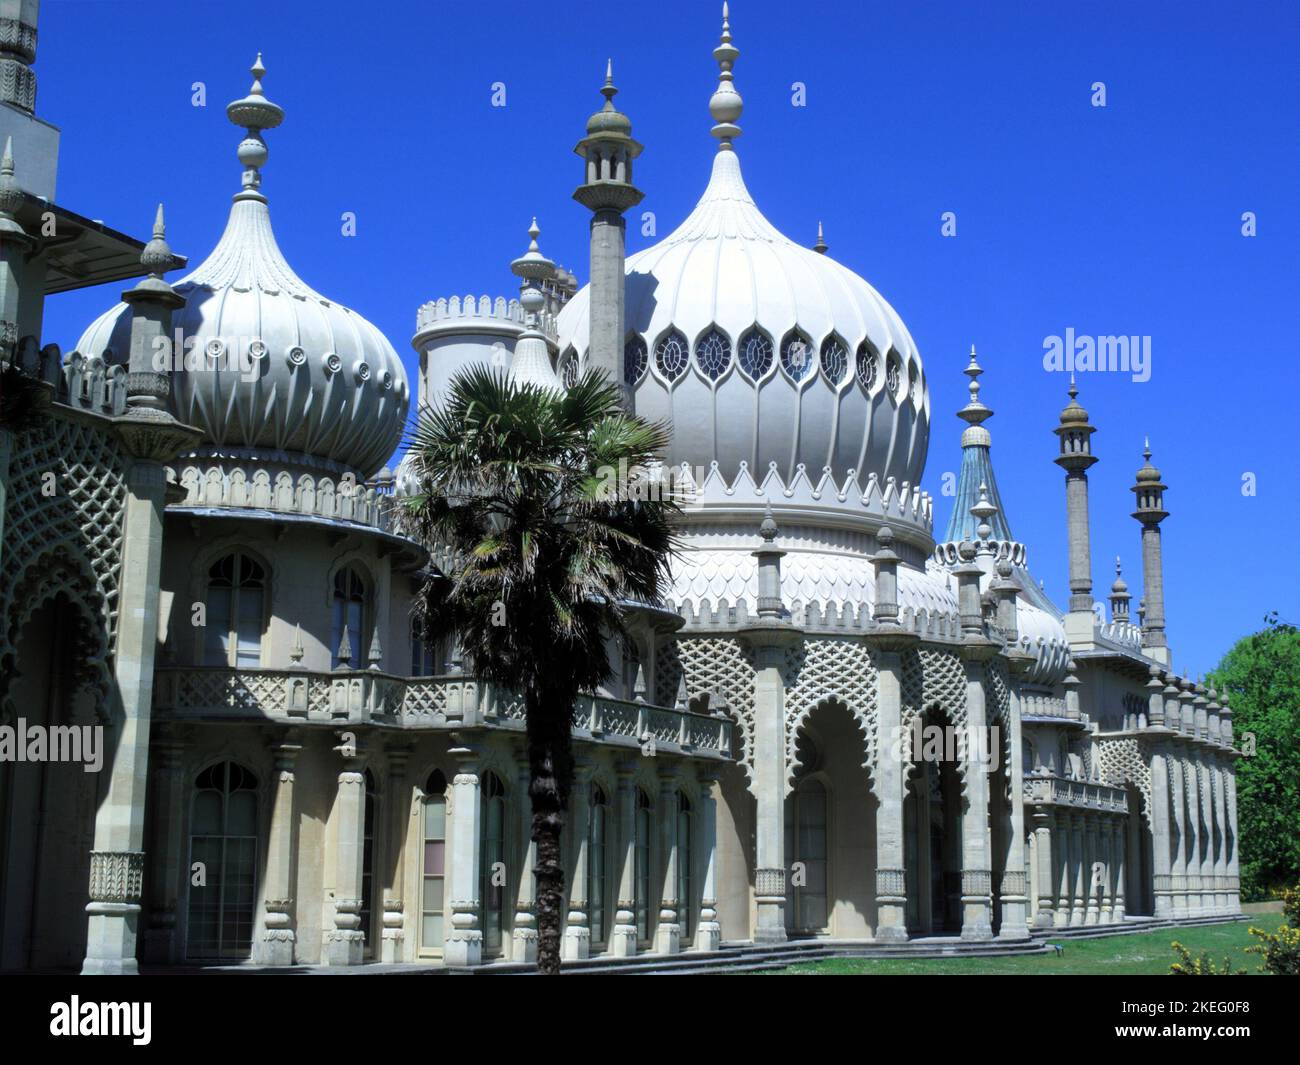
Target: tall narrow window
(641, 865)
(235, 612)
(492, 858)
(223, 840)
(426, 661)
(349, 615)
(435, 862)
(368, 866)
(596, 860)
(685, 886)
(810, 849)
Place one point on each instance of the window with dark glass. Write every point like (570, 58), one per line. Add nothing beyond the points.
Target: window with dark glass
(434, 863)
(223, 863)
(235, 612)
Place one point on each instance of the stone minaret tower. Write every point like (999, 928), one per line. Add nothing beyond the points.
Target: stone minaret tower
(607, 191)
(1076, 457)
(1151, 512)
(18, 53)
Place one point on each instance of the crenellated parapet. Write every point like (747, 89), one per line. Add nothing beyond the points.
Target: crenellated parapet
(467, 314)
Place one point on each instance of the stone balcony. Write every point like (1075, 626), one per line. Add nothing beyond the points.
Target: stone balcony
(452, 702)
(1075, 794)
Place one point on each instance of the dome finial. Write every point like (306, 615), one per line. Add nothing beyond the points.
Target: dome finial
(255, 113)
(726, 105)
(157, 256)
(821, 247)
(975, 412)
(11, 193)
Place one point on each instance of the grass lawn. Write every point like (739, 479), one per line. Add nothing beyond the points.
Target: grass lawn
(1147, 953)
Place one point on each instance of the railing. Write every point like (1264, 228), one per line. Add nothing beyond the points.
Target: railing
(1075, 794)
(1041, 704)
(445, 702)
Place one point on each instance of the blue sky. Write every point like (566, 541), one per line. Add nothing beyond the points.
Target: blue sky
(1117, 220)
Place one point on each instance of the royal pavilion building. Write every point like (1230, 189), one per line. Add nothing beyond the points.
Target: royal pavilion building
(203, 555)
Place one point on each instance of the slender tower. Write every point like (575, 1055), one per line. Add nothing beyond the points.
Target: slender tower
(607, 191)
(1151, 512)
(1075, 435)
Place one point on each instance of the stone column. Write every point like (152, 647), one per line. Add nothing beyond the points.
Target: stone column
(770, 788)
(623, 936)
(463, 944)
(1078, 906)
(393, 936)
(523, 936)
(1065, 868)
(1161, 841)
(345, 943)
(1220, 837)
(577, 930)
(117, 860)
(1178, 864)
(1015, 901)
(1205, 788)
(161, 944)
(708, 933)
(1093, 866)
(1195, 898)
(278, 938)
(890, 786)
(668, 932)
(1118, 846)
(1234, 872)
(976, 866)
(1047, 877)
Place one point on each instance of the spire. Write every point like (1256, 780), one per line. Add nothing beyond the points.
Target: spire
(726, 105)
(976, 483)
(821, 247)
(255, 113)
(532, 359)
(1119, 596)
(11, 195)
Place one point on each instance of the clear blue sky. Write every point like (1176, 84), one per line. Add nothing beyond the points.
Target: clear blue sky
(1122, 220)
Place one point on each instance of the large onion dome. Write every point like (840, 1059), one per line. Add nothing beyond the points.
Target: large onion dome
(759, 350)
(270, 363)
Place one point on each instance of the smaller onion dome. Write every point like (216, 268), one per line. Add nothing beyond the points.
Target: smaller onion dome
(609, 119)
(268, 362)
(1074, 414)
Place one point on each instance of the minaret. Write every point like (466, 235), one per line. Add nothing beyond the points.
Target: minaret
(1151, 512)
(18, 53)
(976, 469)
(1119, 597)
(1076, 456)
(608, 150)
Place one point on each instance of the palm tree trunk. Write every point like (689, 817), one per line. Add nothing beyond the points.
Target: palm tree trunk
(550, 768)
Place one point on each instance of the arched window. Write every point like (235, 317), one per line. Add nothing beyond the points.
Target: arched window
(672, 354)
(685, 885)
(868, 364)
(597, 858)
(835, 359)
(235, 612)
(713, 354)
(492, 862)
(810, 912)
(223, 841)
(434, 868)
(755, 354)
(797, 355)
(635, 361)
(641, 865)
(368, 866)
(349, 616)
(568, 368)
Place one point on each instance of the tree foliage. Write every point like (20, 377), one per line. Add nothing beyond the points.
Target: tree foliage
(1261, 675)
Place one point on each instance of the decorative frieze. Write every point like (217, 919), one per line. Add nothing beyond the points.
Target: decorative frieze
(116, 876)
(769, 883)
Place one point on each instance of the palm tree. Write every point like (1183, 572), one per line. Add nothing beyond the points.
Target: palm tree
(518, 488)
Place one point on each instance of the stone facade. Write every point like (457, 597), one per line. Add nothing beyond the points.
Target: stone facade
(835, 725)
